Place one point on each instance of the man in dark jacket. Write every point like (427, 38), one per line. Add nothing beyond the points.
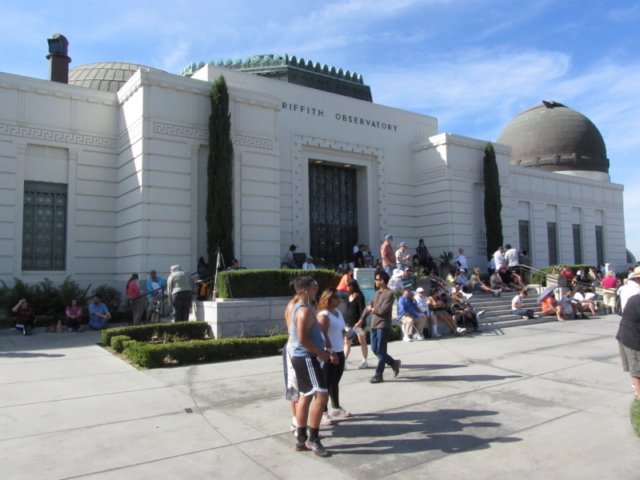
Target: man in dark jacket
(380, 309)
(629, 337)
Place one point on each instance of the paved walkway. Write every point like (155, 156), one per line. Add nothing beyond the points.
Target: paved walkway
(544, 401)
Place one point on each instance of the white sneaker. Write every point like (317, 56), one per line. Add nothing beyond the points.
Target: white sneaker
(461, 331)
(363, 364)
(417, 336)
(339, 413)
(326, 420)
(480, 313)
(406, 338)
(497, 292)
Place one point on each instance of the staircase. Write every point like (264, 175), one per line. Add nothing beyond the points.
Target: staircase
(498, 310)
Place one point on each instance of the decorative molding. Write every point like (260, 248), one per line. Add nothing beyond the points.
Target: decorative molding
(254, 142)
(59, 136)
(174, 130)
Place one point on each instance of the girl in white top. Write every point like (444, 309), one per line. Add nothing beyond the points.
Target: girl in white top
(333, 326)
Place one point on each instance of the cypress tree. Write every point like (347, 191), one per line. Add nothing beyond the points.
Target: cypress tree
(220, 176)
(492, 201)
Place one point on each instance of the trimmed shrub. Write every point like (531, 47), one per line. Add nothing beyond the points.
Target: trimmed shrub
(117, 342)
(190, 330)
(540, 277)
(203, 351)
(268, 282)
(635, 416)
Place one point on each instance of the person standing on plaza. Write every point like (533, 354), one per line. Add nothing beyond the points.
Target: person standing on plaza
(137, 301)
(387, 256)
(403, 258)
(308, 351)
(180, 293)
(155, 285)
(628, 337)
(424, 257)
(461, 260)
(354, 323)
(332, 326)
(380, 308)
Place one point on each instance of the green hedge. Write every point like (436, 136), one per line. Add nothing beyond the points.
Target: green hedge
(635, 416)
(541, 276)
(190, 330)
(150, 355)
(134, 343)
(268, 282)
(118, 341)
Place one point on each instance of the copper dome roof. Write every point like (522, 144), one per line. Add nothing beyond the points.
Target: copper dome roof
(554, 137)
(105, 76)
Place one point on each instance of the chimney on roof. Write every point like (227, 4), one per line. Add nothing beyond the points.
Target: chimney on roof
(58, 58)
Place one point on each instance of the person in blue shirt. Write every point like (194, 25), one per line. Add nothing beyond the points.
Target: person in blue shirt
(99, 315)
(412, 320)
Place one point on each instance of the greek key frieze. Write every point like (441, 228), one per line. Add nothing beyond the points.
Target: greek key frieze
(254, 142)
(59, 136)
(174, 130)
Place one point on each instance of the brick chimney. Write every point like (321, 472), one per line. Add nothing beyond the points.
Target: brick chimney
(58, 58)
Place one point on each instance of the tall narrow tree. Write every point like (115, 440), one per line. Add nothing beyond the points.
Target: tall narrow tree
(492, 201)
(220, 176)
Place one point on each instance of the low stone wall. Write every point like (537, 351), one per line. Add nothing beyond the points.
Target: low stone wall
(246, 317)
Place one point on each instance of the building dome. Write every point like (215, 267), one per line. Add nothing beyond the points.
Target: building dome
(555, 138)
(105, 76)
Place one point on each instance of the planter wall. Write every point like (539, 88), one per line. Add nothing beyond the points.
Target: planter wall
(246, 317)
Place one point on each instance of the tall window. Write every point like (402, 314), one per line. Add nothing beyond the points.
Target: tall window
(577, 243)
(600, 244)
(44, 231)
(552, 240)
(523, 235)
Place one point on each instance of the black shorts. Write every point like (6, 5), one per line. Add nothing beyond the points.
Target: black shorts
(309, 375)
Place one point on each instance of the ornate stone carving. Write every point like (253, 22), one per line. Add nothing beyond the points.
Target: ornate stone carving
(56, 136)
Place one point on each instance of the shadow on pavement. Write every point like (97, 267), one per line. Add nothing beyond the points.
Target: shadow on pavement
(416, 431)
(29, 354)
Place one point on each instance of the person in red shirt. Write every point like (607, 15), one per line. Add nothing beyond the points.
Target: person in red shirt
(610, 283)
(343, 287)
(387, 255)
(137, 301)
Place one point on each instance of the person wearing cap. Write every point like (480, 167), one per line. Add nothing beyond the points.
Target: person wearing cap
(477, 284)
(408, 279)
(628, 337)
(308, 264)
(180, 293)
(387, 256)
(403, 258)
(632, 287)
(411, 319)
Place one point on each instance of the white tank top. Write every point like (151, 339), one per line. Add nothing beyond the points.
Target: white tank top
(336, 327)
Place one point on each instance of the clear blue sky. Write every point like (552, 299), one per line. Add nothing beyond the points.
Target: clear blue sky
(473, 64)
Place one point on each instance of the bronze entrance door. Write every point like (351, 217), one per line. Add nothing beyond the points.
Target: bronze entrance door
(333, 212)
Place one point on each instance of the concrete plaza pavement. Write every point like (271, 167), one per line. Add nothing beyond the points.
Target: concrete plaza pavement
(545, 401)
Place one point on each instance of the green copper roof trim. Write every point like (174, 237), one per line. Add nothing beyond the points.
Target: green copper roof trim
(262, 62)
